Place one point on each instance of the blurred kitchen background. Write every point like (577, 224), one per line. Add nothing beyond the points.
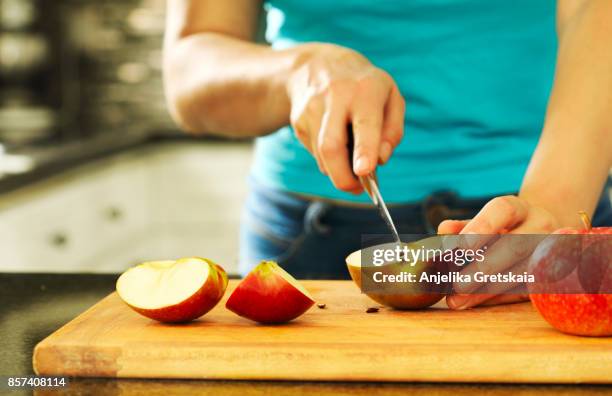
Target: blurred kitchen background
(94, 176)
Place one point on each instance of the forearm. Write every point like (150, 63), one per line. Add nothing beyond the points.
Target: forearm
(566, 176)
(222, 85)
(574, 155)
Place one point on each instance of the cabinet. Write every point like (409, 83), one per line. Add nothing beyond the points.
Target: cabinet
(162, 201)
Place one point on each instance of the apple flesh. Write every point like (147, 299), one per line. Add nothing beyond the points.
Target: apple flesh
(414, 295)
(173, 291)
(269, 294)
(573, 286)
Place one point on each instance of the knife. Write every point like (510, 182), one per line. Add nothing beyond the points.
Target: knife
(370, 185)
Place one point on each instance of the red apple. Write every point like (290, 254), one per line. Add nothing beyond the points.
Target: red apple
(173, 291)
(269, 294)
(574, 280)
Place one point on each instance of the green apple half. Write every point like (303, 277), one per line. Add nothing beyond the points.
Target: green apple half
(173, 290)
(415, 295)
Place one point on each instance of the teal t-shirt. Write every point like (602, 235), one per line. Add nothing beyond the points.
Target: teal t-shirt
(476, 76)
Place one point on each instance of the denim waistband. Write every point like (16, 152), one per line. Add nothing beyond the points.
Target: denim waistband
(318, 214)
(428, 213)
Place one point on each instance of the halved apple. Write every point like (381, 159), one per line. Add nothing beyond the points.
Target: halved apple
(415, 295)
(269, 294)
(173, 291)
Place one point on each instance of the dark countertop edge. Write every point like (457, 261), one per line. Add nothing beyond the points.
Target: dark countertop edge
(52, 160)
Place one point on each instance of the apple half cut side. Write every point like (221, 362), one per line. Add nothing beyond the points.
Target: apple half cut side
(173, 291)
(416, 296)
(269, 294)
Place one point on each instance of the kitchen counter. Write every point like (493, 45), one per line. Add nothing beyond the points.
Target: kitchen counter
(127, 207)
(54, 158)
(35, 305)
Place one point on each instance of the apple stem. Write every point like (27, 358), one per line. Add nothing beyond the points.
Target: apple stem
(586, 220)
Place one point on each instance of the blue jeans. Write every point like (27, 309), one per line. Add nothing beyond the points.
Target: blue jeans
(311, 238)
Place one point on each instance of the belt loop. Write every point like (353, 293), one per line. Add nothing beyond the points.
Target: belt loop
(313, 216)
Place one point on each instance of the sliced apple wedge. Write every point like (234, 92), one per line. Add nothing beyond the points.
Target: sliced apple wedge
(269, 294)
(173, 291)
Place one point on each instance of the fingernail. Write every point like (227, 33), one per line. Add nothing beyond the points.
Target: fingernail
(459, 301)
(470, 240)
(362, 166)
(449, 242)
(385, 152)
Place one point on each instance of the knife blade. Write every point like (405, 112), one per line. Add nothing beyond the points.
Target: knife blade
(370, 185)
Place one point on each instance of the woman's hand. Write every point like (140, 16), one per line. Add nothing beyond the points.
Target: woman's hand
(250, 89)
(573, 158)
(501, 215)
(332, 86)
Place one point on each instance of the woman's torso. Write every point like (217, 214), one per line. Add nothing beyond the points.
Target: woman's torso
(476, 75)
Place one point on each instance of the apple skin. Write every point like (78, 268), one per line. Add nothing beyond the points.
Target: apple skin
(412, 300)
(576, 314)
(417, 296)
(584, 314)
(195, 306)
(265, 296)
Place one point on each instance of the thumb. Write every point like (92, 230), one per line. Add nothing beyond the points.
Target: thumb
(451, 226)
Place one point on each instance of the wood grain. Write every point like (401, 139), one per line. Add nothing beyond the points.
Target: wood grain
(508, 343)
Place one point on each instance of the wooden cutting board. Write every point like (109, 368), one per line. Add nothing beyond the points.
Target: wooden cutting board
(339, 343)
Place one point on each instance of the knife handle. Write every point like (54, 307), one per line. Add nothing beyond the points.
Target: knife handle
(351, 146)
(351, 149)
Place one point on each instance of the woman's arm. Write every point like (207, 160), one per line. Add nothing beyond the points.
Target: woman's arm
(571, 163)
(217, 81)
(573, 158)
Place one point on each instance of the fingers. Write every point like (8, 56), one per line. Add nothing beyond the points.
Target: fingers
(506, 299)
(518, 294)
(367, 119)
(333, 151)
(539, 221)
(469, 298)
(460, 302)
(449, 227)
(485, 300)
(465, 301)
(498, 214)
(393, 125)
(496, 217)
(306, 117)
(371, 102)
(505, 253)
